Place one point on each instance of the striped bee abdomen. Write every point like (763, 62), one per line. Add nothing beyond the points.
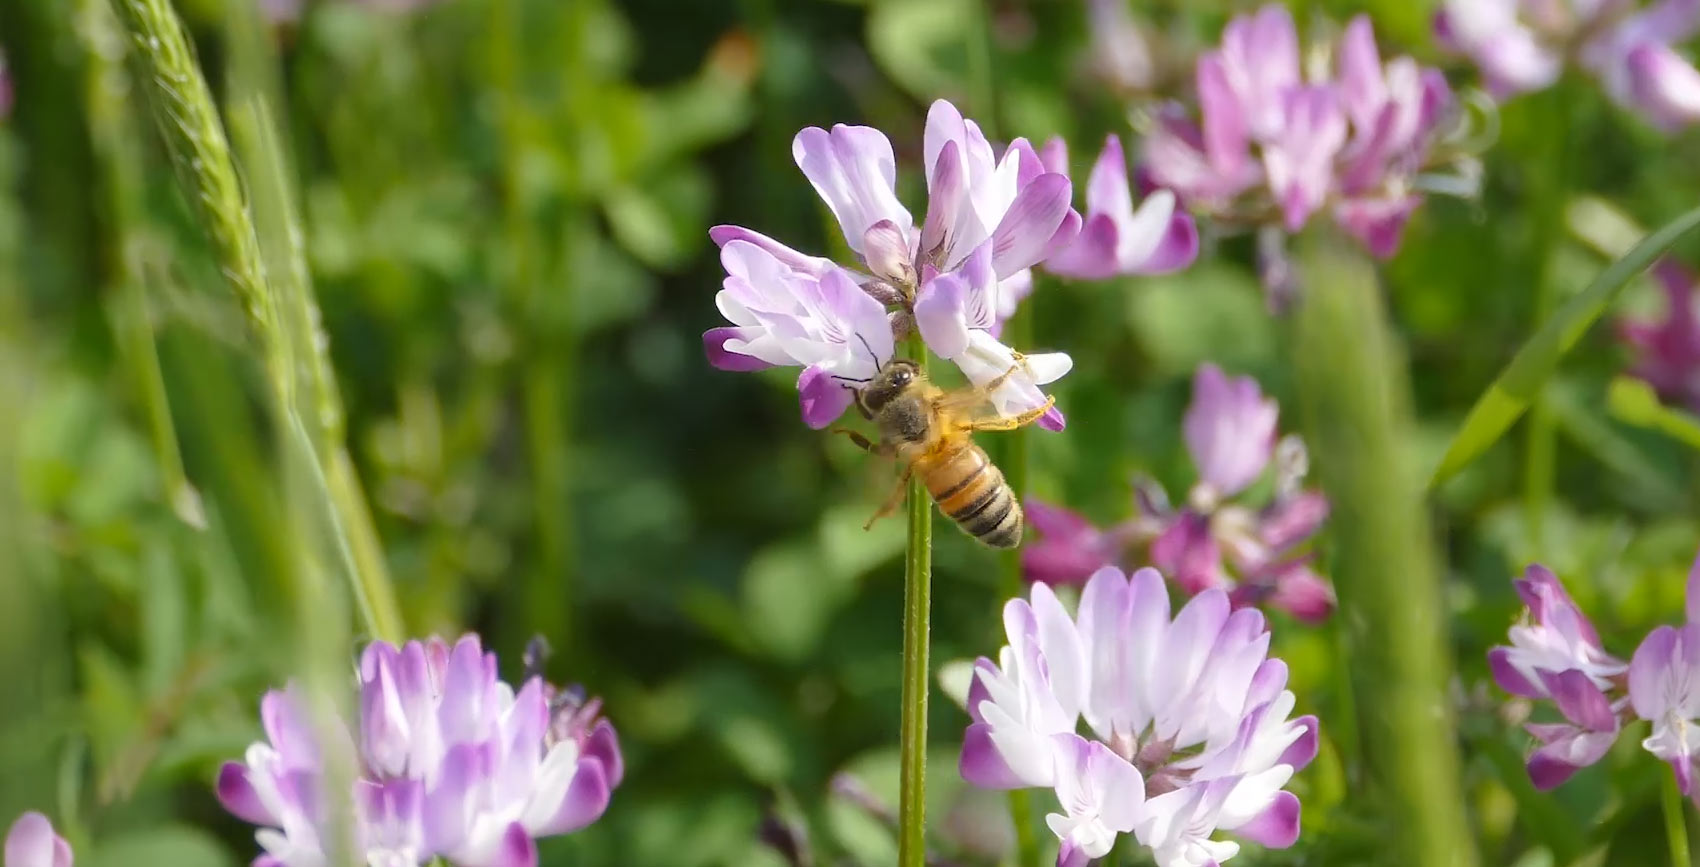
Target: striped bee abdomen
(971, 491)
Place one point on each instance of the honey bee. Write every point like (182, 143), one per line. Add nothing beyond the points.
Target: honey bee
(930, 431)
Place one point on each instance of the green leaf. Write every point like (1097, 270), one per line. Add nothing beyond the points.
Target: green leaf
(1633, 401)
(1511, 393)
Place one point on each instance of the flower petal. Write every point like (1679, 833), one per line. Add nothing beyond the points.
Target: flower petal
(1580, 700)
(1361, 82)
(237, 795)
(1027, 229)
(585, 800)
(1509, 677)
(1276, 827)
(1301, 751)
(946, 203)
(941, 316)
(1176, 248)
(854, 171)
(1187, 552)
(714, 345)
(1226, 143)
(823, 398)
(1054, 155)
(1664, 85)
(885, 247)
(31, 842)
(723, 235)
(1230, 429)
(982, 764)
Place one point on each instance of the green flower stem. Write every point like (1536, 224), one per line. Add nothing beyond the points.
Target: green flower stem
(1121, 854)
(917, 605)
(1676, 823)
(1026, 840)
(280, 311)
(1352, 377)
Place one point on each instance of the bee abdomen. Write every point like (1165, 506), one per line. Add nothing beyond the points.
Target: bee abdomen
(972, 492)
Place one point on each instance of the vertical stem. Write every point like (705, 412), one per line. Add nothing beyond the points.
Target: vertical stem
(1676, 823)
(1548, 177)
(1026, 841)
(1120, 853)
(917, 603)
(1356, 393)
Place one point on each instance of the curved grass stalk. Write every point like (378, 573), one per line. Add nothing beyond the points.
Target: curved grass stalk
(277, 302)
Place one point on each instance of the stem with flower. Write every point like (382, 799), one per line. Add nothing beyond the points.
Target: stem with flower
(947, 285)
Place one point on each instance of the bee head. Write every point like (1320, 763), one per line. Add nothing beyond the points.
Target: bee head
(893, 379)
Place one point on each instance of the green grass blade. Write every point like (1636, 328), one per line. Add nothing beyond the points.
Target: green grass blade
(1510, 394)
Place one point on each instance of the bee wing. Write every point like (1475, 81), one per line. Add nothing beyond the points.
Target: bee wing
(968, 403)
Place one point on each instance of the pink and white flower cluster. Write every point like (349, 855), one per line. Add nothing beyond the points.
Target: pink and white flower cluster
(1555, 655)
(1190, 721)
(1522, 45)
(956, 277)
(453, 763)
(1214, 540)
(1274, 144)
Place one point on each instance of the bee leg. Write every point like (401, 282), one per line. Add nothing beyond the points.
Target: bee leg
(893, 501)
(1012, 422)
(1000, 379)
(861, 442)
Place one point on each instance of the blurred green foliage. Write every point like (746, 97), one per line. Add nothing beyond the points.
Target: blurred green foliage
(505, 206)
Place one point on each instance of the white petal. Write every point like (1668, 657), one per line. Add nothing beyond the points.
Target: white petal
(1145, 229)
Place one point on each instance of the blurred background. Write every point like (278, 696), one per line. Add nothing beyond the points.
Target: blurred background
(505, 207)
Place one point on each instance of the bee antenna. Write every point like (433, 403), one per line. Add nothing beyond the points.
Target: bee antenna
(871, 354)
(847, 378)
